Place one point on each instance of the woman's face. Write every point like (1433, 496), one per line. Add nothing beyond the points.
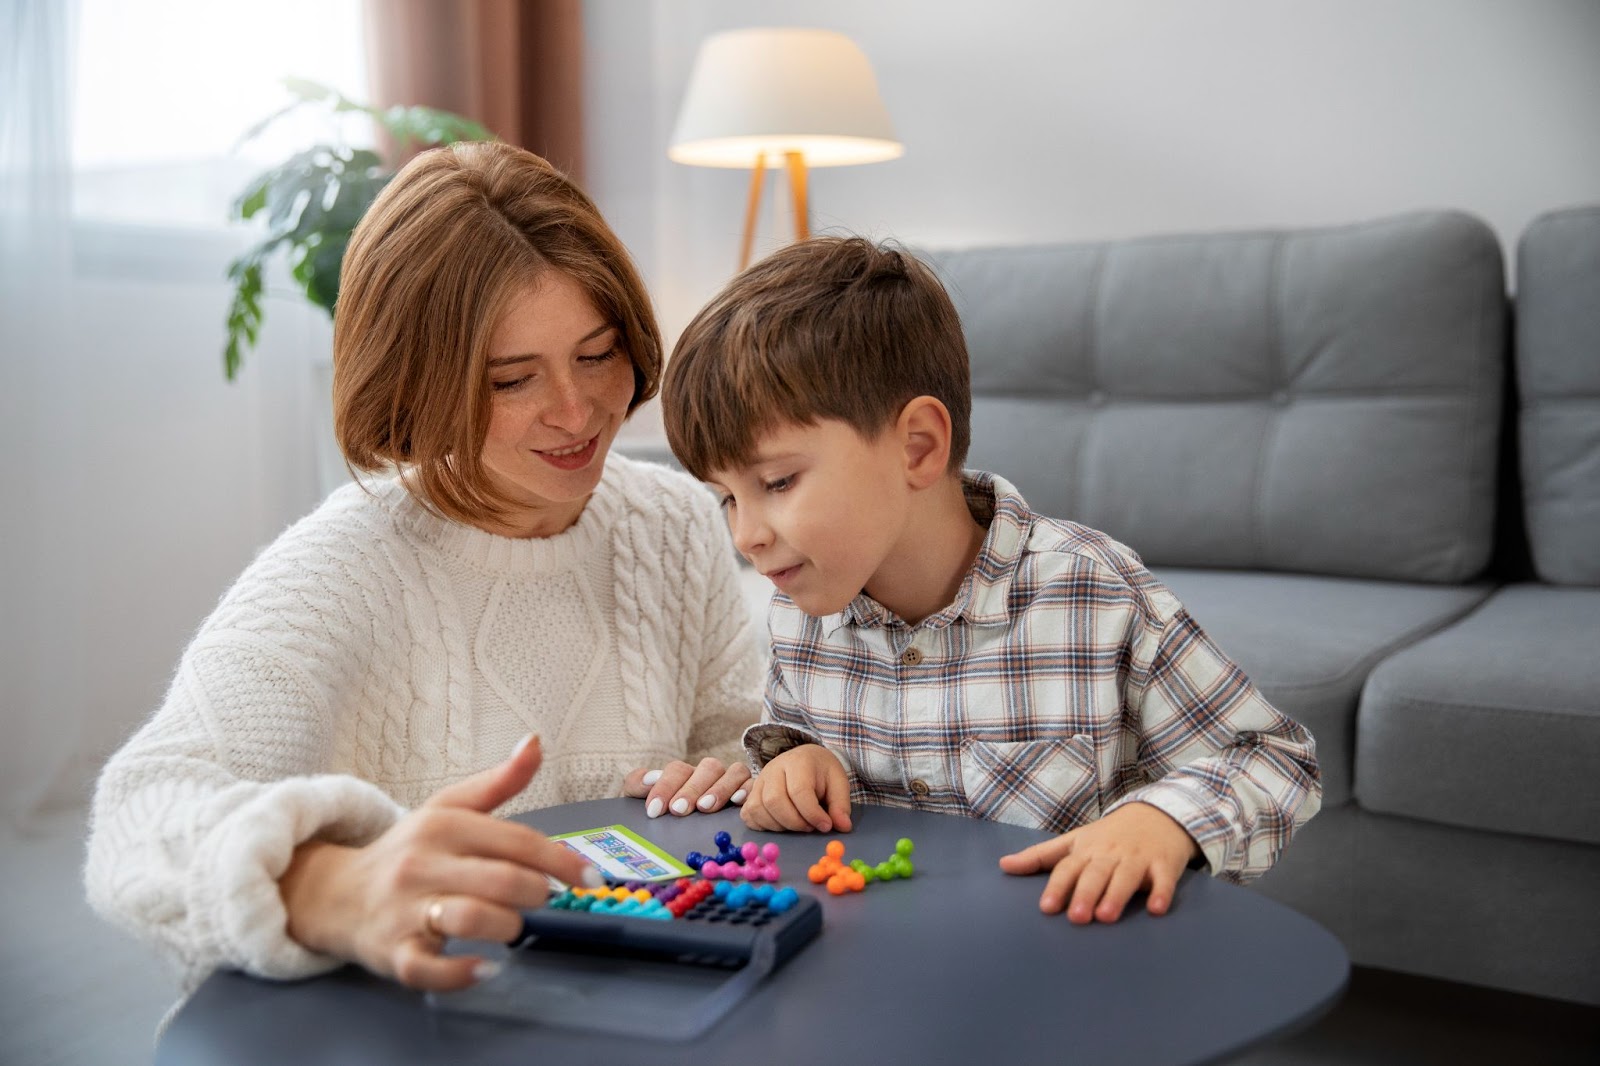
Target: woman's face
(560, 385)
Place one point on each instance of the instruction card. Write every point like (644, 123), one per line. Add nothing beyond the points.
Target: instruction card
(624, 855)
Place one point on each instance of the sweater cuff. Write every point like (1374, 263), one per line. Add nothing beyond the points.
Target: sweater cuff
(233, 891)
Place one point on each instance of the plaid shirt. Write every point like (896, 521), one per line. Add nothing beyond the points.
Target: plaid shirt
(1063, 682)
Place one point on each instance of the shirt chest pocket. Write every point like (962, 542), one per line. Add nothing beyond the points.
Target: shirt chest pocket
(1043, 784)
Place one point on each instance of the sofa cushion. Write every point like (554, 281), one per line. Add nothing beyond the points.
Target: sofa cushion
(1558, 376)
(1319, 400)
(1493, 723)
(1309, 642)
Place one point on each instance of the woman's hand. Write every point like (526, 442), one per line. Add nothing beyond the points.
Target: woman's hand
(681, 788)
(447, 869)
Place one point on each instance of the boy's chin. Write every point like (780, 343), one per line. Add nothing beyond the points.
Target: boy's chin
(819, 606)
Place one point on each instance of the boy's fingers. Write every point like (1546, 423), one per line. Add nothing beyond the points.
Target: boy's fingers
(1042, 856)
(1124, 883)
(487, 790)
(1091, 886)
(1163, 885)
(1059, 887)
(803, 796)
(838, 797)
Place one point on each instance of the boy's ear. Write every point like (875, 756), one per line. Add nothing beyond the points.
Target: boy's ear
(924, 432)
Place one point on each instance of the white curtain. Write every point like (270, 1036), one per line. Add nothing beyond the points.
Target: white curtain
(41, 601)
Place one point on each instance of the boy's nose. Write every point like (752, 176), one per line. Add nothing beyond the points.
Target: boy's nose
(750, 533)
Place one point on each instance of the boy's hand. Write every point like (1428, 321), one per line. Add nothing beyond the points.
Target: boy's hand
(803, 789)
(1104, 863)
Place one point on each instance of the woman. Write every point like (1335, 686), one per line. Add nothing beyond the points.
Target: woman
(317, 786)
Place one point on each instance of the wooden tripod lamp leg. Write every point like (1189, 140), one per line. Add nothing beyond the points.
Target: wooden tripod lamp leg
(797, 187)
(752, 205)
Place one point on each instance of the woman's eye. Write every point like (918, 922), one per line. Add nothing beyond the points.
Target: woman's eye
(508, 385)
(604, 357)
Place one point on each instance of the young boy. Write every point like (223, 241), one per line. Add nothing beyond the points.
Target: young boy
(935, 644)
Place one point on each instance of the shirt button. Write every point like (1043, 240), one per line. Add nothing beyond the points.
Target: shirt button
(911, 656)
(919, 787)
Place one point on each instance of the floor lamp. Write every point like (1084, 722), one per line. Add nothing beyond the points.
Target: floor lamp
(796, 97)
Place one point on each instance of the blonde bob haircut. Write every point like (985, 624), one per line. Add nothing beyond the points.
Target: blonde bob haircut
(430, 271)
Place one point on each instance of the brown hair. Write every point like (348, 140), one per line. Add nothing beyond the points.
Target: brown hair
(835, 327)
(430, 270)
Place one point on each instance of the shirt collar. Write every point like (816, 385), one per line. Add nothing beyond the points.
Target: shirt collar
(985, 591)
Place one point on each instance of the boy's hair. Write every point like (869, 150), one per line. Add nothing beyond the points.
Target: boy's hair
(430, 271)
(835, 327)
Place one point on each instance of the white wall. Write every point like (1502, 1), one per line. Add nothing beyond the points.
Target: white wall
(137, 485)
(1090, 119)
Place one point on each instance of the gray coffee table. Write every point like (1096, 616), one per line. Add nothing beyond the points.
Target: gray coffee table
(954, 965)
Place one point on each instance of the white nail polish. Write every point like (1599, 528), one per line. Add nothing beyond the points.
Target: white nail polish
(655, 808)
(652, 777)
(738, 797)
(593, 878)
(522, 745)
(706, 801)
(486, 969)
(680, 806)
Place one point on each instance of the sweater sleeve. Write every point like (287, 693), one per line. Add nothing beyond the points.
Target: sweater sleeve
(728, 692)
(198, 815)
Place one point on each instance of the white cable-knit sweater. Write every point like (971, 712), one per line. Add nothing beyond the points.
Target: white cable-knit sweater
(376, 652)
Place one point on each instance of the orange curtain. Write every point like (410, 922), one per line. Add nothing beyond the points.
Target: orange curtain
(514, 65)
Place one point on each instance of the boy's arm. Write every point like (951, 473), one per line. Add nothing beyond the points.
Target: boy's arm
(1237, 774)
(784, 725)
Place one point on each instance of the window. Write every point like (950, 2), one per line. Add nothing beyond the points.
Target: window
(164, 89)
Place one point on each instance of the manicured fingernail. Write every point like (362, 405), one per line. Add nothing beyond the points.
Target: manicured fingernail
(680, 805)
(486, 969)
(652, 777)
(522, 745)
(593, 878)
(706, 801)
(738, 797)
(653, 810)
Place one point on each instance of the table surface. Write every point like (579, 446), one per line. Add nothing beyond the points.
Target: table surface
(953, 965)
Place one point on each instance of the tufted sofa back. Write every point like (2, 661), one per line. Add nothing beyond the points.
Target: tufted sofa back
(1323, 401)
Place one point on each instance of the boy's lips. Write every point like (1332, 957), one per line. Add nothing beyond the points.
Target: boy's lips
(783, 576)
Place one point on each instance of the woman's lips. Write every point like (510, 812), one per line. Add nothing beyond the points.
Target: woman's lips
(565, 459)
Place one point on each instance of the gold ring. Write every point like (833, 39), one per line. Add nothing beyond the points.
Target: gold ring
(432, 915)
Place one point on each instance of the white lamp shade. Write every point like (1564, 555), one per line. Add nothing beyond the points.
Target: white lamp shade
(782, 90)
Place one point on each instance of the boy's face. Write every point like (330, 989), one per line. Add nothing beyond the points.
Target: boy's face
(818, 511)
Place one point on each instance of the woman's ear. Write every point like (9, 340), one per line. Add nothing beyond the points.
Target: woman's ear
(924, 431)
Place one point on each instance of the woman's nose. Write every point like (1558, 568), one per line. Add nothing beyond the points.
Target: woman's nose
(569, 408)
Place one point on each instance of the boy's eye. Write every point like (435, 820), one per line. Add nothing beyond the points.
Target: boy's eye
(725, 502)
(779, 484)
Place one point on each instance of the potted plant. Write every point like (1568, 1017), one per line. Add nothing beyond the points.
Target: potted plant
(314, 199)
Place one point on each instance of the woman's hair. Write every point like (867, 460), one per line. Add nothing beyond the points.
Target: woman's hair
(430, 271)
(830, 328)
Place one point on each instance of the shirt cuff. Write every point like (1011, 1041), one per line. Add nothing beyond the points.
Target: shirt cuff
(1199, 820)
(765, 741)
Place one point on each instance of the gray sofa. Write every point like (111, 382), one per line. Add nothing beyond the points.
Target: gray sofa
(1383, 499)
